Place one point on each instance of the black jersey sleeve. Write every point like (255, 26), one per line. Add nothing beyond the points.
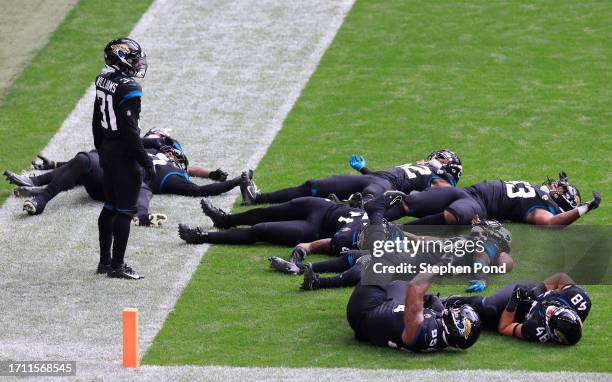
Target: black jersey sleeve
(577, 298)
(96, 126)
(130, 132)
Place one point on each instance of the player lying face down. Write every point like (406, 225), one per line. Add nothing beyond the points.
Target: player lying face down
(552, 311)
(299, 220)
(494, 250)
(400, 315)
(556, 203)
(443, 168)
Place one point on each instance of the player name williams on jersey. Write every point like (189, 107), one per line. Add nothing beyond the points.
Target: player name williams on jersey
(115, 118)
(413, 177)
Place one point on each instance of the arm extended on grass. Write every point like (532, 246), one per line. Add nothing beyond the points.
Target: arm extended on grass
(198, 172)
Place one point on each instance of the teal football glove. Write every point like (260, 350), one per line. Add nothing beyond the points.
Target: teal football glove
(476, 286)
(357, 162)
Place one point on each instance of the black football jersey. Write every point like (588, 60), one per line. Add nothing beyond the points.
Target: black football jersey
(385, 325)
(115, 123)
(346, 237)
(413, 177)
(112, 91)
(512, 200)
(338, 216)
(164, 168)
(572, 296)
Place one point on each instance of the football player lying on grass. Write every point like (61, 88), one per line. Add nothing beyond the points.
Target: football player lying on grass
(494, 250)
(297, 221)
(400, 315)
(172, 177)
(555, 203)
(442, 169)
(552, 311)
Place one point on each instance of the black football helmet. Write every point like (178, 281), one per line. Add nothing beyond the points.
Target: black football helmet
(125, 56)
(462, 326)
(565, 326)
(450, 162)
(492, 232)
(179, 156)
(566, 196)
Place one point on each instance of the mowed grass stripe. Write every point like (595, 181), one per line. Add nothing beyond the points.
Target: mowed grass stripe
(46, 92)
(519, 90)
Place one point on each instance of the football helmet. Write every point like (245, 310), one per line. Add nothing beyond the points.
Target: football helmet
(125, 56)
(462, 326)
(450, 162)
(565, 325)
(179, 157)
(566, 196)
(492, 232)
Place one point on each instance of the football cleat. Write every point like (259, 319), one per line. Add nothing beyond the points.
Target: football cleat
(311, 279)
(26, 192)
(18, 180)
(356, 200)
(124, 272)
(33, 206)
(284, 266)
(249, 190)
(298, 255)
(192, 235)
(218, 216)
(103, 268)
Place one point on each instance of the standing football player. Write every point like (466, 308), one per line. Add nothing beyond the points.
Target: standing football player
(117, 138)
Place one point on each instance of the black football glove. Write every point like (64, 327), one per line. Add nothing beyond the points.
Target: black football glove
(218, 175)
(595, 202)
(44, 164)
(149, 173)
(534, 292)
(518, 294)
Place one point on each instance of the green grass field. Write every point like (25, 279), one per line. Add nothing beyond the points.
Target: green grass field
(520, 90)
(48, 89)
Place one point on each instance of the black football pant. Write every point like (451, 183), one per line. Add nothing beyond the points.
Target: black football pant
(341, 185)
(122, 184)
(178, 185)
(491, 308)
(83, 169)
(346, 265)
(298, 221)
(429, 205)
